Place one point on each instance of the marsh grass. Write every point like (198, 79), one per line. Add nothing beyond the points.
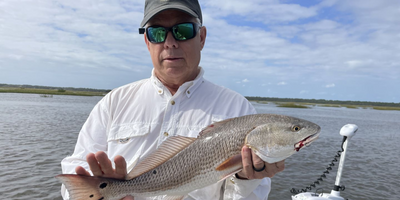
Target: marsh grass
(310, 105)
(291, 105)
(385, 108)
(351, 106)
(50, 91)
(329, 105)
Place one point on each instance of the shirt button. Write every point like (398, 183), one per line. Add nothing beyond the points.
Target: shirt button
(159, 91)
(232, 181)
(166, 134)
(123, 141)
(172, 102)
(188, 92)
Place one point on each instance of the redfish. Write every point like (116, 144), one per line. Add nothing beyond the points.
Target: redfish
(183, 164)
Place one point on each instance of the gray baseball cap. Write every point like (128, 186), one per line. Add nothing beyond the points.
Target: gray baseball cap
(153, 7)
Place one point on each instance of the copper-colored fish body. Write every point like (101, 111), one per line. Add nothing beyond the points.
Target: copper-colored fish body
(181, 165)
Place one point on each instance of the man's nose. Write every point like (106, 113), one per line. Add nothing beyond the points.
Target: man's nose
(170, 41)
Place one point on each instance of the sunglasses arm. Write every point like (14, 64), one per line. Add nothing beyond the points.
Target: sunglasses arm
(142, 30)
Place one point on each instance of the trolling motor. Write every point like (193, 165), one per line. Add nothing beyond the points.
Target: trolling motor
(347, 131)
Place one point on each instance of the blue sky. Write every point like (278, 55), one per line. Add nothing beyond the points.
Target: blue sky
(327, 49)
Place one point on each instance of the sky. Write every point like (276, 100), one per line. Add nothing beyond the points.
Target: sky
(310, 49)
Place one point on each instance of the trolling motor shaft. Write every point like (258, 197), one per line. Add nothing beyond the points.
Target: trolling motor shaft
(347, 131)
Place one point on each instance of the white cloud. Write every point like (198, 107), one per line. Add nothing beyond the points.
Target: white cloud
(354, 63)
(330, 85)
(282, 83)
(259, 10)
(266, 41)
(77, 33)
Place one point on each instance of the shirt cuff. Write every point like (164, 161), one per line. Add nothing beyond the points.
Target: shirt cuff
(244, 187)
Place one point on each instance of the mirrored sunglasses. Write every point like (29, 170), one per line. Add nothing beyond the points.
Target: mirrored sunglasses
(181, 32)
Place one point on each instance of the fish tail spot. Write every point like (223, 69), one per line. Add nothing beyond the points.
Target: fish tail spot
(84, 187)
(103, 185)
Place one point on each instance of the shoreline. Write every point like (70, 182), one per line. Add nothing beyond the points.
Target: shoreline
(307, 105)
(45, 92)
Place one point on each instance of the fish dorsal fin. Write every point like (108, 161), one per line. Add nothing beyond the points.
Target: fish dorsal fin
(168, 149)
(211, 127)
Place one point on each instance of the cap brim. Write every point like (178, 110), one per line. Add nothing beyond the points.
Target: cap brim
(154, 12)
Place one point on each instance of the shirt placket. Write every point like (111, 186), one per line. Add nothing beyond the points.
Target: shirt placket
(170, 119)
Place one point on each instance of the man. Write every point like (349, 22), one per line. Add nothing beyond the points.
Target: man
(132, 121)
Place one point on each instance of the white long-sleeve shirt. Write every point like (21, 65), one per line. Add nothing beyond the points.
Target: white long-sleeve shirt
(133, 120)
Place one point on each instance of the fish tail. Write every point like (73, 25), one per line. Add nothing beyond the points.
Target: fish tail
(84, 187)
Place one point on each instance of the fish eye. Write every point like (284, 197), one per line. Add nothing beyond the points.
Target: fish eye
(296, 128)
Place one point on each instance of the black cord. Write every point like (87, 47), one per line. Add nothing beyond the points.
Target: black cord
(323, 175)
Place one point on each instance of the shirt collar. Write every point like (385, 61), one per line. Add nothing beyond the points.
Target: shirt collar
(188, 87)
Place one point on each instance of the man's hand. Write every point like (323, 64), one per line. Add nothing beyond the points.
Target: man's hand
(250, 159)
(101, 166)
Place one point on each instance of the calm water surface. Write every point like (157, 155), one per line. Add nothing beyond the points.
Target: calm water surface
(36, 133)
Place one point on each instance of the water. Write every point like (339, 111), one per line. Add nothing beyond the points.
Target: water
(372, 161)
(36, 133)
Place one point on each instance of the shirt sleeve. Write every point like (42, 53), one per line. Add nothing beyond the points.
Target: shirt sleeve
(236, 189)
(91, 138)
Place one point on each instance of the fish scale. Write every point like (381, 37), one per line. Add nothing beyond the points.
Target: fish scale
(202, 162)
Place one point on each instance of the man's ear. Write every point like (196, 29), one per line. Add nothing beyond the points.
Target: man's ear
(203, 34)
(147, 42)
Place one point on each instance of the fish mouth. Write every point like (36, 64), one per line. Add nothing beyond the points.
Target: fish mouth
(305, 142)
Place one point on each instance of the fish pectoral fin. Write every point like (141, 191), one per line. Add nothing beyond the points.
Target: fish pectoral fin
(83, 187)
(168, 149)
(234, 162)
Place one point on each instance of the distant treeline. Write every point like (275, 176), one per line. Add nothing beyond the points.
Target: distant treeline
(54, 88)
(323, 101)
(266, 99)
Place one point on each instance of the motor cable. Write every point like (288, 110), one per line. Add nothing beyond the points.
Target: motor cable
(323, 175)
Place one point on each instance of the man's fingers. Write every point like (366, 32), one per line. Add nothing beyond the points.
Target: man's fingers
(274, 168)
(247, 164)
(105, 163)
(258, 163)
(101, 165)
(94, 165)
(270, 169)
(250, 160)
(81, 171)
(120, 166)
(280, 165)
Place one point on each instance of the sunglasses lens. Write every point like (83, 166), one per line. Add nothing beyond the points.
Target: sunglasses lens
(156, 34)
(183, 31)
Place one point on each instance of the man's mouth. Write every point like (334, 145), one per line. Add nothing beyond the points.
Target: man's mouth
(172, 58)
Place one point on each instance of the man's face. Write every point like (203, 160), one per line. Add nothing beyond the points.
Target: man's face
(175, 62)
